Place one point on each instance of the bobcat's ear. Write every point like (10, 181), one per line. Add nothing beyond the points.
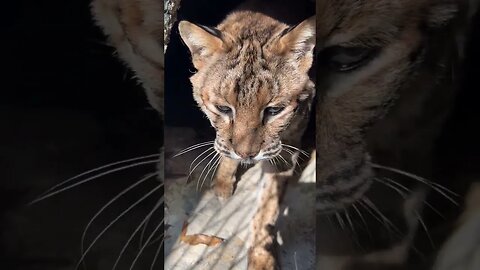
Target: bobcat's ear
(297, 43)
(202, 41)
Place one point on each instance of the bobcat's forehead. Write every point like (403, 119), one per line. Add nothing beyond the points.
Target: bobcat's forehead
(249, 73)
(243, 77)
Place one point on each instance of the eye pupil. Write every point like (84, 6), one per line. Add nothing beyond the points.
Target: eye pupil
(274, 110)
(223, 109)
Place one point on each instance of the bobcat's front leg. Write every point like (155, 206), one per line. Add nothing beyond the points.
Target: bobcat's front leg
(225, 178)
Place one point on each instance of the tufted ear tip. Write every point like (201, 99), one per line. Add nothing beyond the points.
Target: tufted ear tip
(202, 41)
(297, 43)
(301, 36)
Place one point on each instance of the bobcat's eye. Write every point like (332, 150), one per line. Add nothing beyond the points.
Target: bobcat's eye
(342, 59)
(273, 110)
(223, 109)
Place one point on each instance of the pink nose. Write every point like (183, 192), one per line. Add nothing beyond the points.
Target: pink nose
(247, 154)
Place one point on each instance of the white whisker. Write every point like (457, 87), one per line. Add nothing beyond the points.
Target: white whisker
(193, 147)
(297, 149)
(340, 220)
(409, 191)
(284, 160)
(437, 187)
(92, 178)
(200, 162)
(145, 245)
(363, 220)
(149, 215)
(114, 221)
(123, 192)
(156, 253)
(201, 154)
(98, 169)
(292, 154)
(369, 205)
(142, 233)
(210, 169)
(216, 167)
(205, 168)
(419, 218)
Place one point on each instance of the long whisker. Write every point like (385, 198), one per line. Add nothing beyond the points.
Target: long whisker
(156, 253)
(288, 163)
(369, 205)
(98, 169)
(193, 147)
(216, 167)
(437, 187)
(363, 220)
(205, 168)
(419, 217)
(284, 160)
(275, 160)
(340, 220)
(193, 162)
(295, 148)
(149, 215)
(159, 238)
(209, 170)
(393, 182)
(292, 154)
(349, 220)
(374, 208)
(113, 222)
(200, 162)
(145, 245)
(142, 234)
(352, 227)
(92, 178)
(123, 192)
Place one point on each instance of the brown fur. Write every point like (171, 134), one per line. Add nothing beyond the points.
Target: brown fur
(248, 63)
(252, 63)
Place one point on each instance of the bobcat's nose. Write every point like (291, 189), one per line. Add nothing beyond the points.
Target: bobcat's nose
(250, 154)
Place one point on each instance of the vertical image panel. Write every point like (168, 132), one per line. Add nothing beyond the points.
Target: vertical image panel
(239, 143)
(393, 79)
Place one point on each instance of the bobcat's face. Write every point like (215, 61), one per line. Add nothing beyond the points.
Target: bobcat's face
(251, 80)
(367, 51)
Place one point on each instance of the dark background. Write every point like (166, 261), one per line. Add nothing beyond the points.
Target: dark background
(67, 105)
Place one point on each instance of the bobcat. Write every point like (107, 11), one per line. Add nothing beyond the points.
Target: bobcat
(252, 82)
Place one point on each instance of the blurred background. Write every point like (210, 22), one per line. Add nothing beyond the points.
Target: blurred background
(68, 105)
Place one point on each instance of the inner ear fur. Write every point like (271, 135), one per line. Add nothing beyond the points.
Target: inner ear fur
(202, 41)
